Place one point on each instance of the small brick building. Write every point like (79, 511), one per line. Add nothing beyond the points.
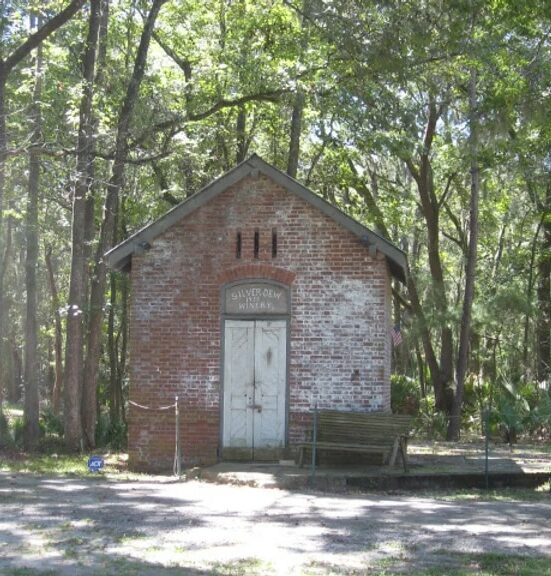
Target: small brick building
(251, 301)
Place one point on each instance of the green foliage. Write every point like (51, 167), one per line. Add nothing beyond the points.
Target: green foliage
(6, 439)
(523, 409)
(511, 414)
(430, 423)
(18, 427)
(50, 424)
(368, 72)
(47, 464)
(405, 395)
(111, 434)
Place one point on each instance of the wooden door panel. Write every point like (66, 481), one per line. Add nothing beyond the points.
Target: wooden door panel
(238, 384)
(270, 380)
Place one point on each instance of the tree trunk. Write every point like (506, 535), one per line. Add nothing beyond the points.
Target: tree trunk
(454, 427)
(6, 66)
(123, 331)
(530, 296)
(116, 182)
(441, 372)
(543, 328)
(77, 288)
(3, 152)
(298, 104)
(114, 412)
(58, 336)
(31, 375)
(90, 229)
(15, 388)
(5, 348)
(241, 135)
(296, 129)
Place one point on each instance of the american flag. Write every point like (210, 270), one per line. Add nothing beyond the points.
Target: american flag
(396, 335)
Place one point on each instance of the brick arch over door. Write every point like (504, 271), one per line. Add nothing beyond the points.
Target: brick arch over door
(264, 271)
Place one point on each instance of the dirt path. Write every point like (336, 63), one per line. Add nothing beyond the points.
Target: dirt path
(75, 526)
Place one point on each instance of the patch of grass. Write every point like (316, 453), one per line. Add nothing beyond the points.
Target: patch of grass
(75, 465)
(326, 569)
(129, 567)
(129, 537)
(12, 411)
(242, 567)
(28, 572)
(46, 464)
(503, 565)
(34, 526)
(501, 495)
(65, 526)
(472, 565)
(66, 465)
(74, 541)
(450, 564)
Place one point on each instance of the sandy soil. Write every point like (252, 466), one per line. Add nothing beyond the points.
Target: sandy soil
(162, 527)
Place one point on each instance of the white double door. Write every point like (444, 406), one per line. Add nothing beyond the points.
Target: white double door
(255, 367)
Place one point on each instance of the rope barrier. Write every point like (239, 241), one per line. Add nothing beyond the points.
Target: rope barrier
(150, 408)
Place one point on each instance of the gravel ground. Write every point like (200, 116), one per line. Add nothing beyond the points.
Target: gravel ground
(161, 527)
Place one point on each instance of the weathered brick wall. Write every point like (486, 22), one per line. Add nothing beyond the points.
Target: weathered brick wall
(339, 337)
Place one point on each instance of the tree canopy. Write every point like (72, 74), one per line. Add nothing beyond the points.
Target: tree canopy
(427, 121)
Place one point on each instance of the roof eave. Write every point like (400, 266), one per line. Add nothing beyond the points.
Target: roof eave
(119, 257)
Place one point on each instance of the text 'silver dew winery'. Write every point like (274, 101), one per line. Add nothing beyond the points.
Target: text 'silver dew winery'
(251, 301)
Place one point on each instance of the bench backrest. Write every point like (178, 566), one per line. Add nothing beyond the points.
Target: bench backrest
(361, 427)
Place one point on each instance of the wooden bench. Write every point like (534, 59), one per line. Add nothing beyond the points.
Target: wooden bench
(361, 432)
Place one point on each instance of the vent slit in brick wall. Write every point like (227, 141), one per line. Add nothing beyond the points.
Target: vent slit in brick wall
(256, 243)
(238, 246)
(274, 243)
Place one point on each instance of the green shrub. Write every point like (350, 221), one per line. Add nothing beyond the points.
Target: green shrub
(51, 445)
(117, 435)
(111, 434)
(405, 395)
(510, 415)
(537, 399)
(18, 427)
(50, 424)
(522, 408)
(6, 441)
(430, 423)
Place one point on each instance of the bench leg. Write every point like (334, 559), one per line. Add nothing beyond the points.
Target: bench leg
(404, 453)
(394, 453)
(301, 457)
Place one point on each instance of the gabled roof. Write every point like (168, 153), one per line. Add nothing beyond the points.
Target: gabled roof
(120, 256)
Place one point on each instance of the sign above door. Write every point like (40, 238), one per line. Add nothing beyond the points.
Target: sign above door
(256, 298)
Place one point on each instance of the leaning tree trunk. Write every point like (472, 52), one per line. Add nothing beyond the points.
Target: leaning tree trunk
(454, 426)
(72, 390)
(31, 373)
(116, 182)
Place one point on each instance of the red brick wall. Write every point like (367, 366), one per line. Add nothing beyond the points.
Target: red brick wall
(339, 333)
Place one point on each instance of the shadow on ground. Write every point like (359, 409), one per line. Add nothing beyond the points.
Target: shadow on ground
(89, 526)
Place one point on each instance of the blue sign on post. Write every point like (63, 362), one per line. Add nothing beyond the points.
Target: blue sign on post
(95, 463)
